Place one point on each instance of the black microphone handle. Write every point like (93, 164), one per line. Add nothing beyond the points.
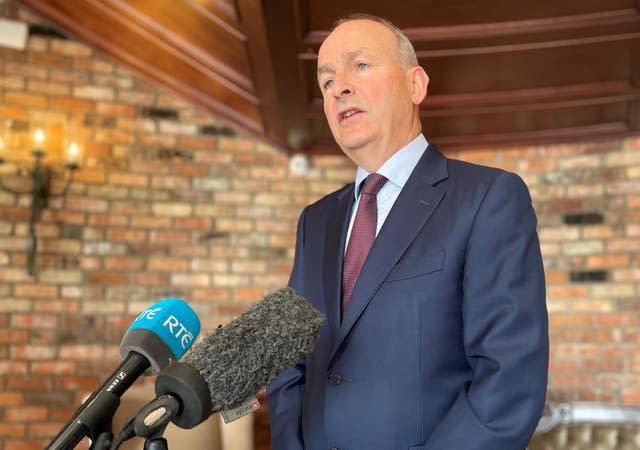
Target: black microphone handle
(184, 383)
(98, 409)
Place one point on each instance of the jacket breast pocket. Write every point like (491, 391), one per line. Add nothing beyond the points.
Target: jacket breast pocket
(426, 264)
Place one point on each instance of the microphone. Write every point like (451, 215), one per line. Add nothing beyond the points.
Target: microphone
(230, 364)
(159, 336)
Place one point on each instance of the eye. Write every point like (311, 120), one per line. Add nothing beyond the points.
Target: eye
(362, 66)
(327, 84)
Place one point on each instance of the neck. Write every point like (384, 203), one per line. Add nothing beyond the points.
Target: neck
(371, 161)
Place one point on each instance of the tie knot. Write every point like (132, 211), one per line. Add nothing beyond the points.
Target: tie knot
(373, 183)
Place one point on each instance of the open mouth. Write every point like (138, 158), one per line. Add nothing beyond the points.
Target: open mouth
(348, 114)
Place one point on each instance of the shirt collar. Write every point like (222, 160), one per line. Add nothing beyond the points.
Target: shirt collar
(399, 166)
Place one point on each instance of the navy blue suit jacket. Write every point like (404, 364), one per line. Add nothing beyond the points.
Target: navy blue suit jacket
(444, 345)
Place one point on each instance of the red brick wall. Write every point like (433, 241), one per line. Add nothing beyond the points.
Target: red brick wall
(140, 224)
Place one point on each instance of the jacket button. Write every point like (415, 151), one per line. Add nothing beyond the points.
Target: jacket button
(336, 380)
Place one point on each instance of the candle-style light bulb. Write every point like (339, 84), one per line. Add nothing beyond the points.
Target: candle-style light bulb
(72, 151)
(38, 140)
(38, 136)
(72, 154)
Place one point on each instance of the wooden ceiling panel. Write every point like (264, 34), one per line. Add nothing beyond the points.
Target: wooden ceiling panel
(216, 43)
(586, 72)
(505, 72)
(529, 69)
(526, 121)
(143, 43)
(440, 13)
(502, 72)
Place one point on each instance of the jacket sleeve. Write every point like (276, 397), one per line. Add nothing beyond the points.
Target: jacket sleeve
(505, 327)
(285, 393)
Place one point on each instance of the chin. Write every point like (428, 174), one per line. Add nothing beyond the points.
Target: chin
(354, 142)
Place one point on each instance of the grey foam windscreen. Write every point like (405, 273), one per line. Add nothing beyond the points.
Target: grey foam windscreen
(239, 359)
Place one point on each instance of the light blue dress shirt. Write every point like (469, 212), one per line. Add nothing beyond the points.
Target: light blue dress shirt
(397, 170)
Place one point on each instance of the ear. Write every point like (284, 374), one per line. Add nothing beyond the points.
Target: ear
(419, 82)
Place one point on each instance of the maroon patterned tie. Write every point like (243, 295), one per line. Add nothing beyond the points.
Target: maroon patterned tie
(363, 233)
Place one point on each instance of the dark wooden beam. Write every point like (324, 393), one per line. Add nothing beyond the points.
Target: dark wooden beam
(540, 45)
(262, 70)
(284, 23)
(505, 28)
(610, 87)
(548, 136)
(634, 105)
(529, 106)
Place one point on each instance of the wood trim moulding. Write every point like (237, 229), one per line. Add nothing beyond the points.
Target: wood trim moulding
(183, 45)
(504, 28)
(512, 27)
(217, 11)
(610, 129)
(510, 48)
(534, 106)
(612, 87)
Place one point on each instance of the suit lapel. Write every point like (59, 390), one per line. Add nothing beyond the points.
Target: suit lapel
(411, 210)
(338, 222)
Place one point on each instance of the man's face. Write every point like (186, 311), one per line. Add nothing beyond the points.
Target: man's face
(367, 95)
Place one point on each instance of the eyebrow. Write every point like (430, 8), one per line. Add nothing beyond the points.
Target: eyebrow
(328, 68)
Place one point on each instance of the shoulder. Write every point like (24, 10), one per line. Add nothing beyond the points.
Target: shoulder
(330, 199)
(469, 184)
(476, 176)
(472, 173)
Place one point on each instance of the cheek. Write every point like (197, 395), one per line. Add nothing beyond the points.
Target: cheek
(380, 96)
(381, 106)
(396, 107)
(328, 111)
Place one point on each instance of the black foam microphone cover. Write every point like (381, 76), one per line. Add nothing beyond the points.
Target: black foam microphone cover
(234, 362)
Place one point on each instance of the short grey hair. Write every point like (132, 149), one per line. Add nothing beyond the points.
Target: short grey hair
(406, 53)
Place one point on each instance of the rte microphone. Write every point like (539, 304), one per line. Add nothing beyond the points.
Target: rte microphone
(230, 365)
(159, 336)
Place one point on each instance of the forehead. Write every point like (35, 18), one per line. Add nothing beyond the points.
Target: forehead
(352, 37)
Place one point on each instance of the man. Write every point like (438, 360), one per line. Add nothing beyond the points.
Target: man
(436, 334)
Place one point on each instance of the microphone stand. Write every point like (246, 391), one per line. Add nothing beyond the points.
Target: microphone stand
(156, 442)
(103, 441)
(150, 422)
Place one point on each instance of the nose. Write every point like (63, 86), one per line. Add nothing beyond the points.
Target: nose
(342, 86)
